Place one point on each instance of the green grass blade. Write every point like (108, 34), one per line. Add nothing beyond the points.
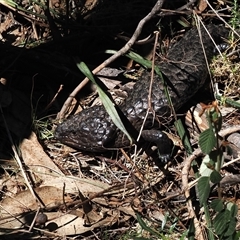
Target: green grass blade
(183, 135)
(228, 101)
(107, 103)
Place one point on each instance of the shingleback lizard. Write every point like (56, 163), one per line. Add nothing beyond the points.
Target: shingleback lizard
(185, 70)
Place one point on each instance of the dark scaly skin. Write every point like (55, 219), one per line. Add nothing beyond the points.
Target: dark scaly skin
(185, 71)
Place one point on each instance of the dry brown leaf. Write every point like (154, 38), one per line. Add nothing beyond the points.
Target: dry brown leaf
(127, 210)
(36, 159)
(24, 201)
(202, 5)
(70, 224)
(90, 4)
(53, 184)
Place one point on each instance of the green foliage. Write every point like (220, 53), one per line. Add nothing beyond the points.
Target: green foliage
(207, 140)
(217, 205)
(203, 189)
(43, 129)
(228, 101)
(215, 177)
(183, 135)
(235, 20)
(163, 233)
(148, 229)
(135, 57)
(224, 222)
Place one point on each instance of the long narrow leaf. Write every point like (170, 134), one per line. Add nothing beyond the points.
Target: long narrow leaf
(183, 135)
(145, 227)
(135, 57)
(107, 103)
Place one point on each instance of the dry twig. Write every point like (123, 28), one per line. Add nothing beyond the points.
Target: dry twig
(187, 165)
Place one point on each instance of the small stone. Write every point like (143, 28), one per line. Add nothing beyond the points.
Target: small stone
(41, 219)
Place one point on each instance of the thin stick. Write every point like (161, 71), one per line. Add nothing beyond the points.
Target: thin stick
(185, 171)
